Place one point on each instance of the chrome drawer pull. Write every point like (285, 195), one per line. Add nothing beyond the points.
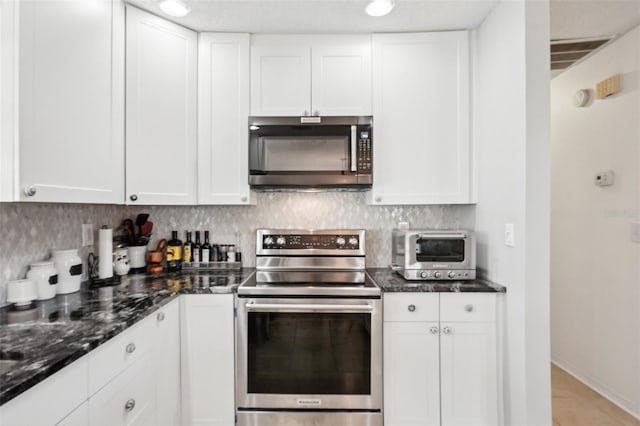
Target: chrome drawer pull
(160, 316)
(446, 330)
(434, 330)
(468, 308)
(130, 405)
(131, 347)
(411, 308)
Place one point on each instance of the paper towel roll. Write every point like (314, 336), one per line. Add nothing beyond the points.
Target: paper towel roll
(105, 247)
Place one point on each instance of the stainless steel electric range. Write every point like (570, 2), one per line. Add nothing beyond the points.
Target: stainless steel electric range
(309, 332)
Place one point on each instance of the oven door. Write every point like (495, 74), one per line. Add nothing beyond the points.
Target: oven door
(309, 353)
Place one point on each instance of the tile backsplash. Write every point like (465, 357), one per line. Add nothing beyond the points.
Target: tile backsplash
(30, 231)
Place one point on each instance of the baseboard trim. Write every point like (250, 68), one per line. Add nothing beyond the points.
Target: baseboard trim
(619, 401)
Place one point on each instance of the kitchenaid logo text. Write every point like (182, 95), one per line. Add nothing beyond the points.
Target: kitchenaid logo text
(309, 401)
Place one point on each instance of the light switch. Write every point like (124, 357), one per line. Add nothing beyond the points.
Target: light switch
(509, 235)
(635, 232)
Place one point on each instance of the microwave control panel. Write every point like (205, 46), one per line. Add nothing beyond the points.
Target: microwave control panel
(364, 151)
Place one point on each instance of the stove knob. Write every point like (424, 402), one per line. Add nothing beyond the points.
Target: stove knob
(340, 242)
(353, 241)
(437, 274)
(424, 274)
(280, 240)
(451, 274)
(268, 241)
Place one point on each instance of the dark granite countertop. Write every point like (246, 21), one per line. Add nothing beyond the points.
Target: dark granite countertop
(391, 282)
(51, 334)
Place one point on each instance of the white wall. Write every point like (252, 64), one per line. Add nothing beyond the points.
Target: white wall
(512, 146)
(595, 268)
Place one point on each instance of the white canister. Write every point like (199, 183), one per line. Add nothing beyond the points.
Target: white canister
(45, 275)
(69, 266)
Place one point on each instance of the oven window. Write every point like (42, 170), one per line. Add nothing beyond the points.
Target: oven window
(443, 250)
(309, 353)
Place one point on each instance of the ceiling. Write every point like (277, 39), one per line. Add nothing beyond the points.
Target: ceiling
(569, 18)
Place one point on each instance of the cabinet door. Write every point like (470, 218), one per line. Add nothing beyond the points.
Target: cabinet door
(8, 97)
(411, 375)
(207, 360)
(71, 101)
(280, 77)
(421, 112)
(167, 357)
(223, 111)
(341, 77)
(161, 76)
(129, 400)
(469, 375)
(50, 401)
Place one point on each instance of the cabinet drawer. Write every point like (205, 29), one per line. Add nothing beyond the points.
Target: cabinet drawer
(130, 399)
(411, 307)
(116, 355)
(463, 307)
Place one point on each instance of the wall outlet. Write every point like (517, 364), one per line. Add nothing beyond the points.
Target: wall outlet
(87, 234)
(509, 235)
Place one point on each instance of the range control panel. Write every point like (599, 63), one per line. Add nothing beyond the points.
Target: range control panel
(315, 241)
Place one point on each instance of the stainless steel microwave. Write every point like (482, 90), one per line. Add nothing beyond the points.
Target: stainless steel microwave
(434, 254)
(310, 152)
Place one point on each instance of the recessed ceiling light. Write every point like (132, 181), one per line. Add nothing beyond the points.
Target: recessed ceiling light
(380, 7)
(177, 8)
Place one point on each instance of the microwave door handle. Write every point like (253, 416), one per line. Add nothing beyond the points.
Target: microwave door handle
(443, 236)
(354, 148)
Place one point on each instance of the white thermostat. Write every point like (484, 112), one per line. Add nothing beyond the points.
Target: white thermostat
(604, 178)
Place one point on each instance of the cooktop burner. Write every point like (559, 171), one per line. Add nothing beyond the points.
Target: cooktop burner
(310, 283)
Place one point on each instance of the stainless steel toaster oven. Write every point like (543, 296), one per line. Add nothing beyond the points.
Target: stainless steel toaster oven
(434, 254)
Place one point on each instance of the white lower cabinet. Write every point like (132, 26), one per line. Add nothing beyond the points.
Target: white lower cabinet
(441, 364)
(138, 374)
(208, 360)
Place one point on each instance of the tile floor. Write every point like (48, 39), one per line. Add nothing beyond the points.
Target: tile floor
(575, 404)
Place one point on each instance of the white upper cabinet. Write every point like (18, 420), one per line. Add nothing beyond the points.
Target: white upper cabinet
(161, 75)
(310, 75)
(223, 112)
(69, 100)
(422, 149)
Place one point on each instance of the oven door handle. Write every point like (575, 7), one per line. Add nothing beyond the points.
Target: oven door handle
(443, 236)
(306, 307)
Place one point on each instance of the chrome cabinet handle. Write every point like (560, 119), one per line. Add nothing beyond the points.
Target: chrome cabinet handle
(133, 197)
(316, 113)
(446, 330)
(131, 347)
(130, 404)
(434, 330)
(377, 199)
(305, 113)
(30, 191)
(468, 308)
(160, 316)
(244, 198)
(411, 308)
